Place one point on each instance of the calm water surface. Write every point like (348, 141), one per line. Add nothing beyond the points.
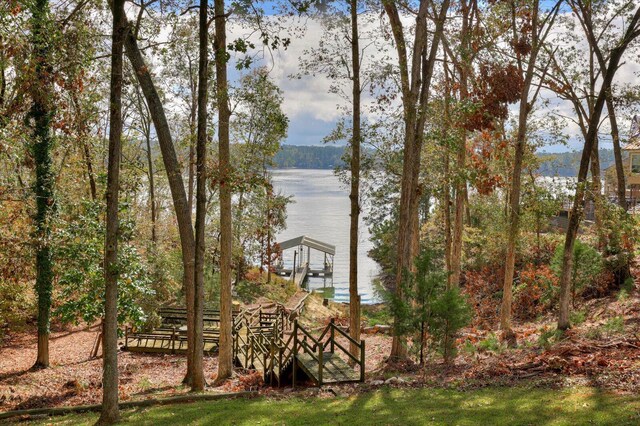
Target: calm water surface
(320, 210)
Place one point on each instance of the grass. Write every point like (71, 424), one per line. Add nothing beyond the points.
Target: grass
(491, 344)
(387, 406)
(376, 315)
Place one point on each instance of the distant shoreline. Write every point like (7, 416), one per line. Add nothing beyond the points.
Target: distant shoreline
(564, 164)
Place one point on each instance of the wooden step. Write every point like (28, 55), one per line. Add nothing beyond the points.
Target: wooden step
(335, 369)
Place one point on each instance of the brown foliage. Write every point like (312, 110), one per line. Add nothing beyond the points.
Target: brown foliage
(533, 294)
(496, 86)
(482, 288)
(486, 147)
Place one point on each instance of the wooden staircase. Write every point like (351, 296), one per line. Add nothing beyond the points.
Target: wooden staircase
(282, 356)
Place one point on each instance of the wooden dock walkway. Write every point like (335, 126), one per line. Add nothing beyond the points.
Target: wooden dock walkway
(300, 275)
(302, 266)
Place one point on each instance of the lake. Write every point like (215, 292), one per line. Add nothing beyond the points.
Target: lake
(320, 210)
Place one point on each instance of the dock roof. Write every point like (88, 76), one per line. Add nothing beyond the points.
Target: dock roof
(309, 242)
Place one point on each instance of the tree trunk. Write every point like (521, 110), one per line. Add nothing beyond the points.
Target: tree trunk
(176, 185)
(596, 194)
(354, 196)
(225, 361)
(446, 198)
(461, 183)
(110, 413)
(617, 153)
(152, 188)
(192, 146)
(41, 115)
(415, 91)
(458, 220)
(81, 129)
(514, 194)
(198, 382)
(576, 210)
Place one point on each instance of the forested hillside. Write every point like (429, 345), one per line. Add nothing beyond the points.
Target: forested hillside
(143, 256)
(566, 164)
(563, 164)
(309, 157)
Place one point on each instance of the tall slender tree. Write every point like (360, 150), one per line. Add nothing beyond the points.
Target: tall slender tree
(198, 382)
(176, 183)
(527, 64)
(39, 120)
(631, 33)
(354, 196)
(225, 361)
(110, 413)
(415, 83)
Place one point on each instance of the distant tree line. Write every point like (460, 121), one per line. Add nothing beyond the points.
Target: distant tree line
(563, 164)
(309, 157)
(566, 164)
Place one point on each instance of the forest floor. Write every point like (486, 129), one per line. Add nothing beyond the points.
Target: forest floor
(602, 351)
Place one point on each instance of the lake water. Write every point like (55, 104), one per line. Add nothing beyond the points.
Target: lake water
(321, 210)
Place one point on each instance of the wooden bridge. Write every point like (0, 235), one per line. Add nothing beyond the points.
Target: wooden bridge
(268, 341)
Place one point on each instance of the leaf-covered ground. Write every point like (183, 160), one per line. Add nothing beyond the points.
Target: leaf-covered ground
(602, 352)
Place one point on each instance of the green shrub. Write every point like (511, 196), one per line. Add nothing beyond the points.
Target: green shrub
(428, 311)
(79, 259)
(577, 317)
(626, 289)
(450, 313)
(618, 236)
(469, 348)
(613, 326)
(378, 316)
(587, 267)
(491, 343)
(549, 337)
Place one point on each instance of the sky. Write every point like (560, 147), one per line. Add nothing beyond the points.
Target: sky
(313, 111)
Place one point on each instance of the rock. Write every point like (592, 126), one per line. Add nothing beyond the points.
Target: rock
(386, 329)
(394, 381)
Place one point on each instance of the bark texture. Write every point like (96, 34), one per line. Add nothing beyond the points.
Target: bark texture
(39, 120)
(198, 382)
(225, 364)
(354, 196)
(110, 413)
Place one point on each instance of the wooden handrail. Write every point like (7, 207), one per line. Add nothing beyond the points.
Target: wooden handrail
(349, 338)
(306, 333)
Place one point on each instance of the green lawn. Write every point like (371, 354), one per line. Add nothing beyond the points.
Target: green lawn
(494, 406)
